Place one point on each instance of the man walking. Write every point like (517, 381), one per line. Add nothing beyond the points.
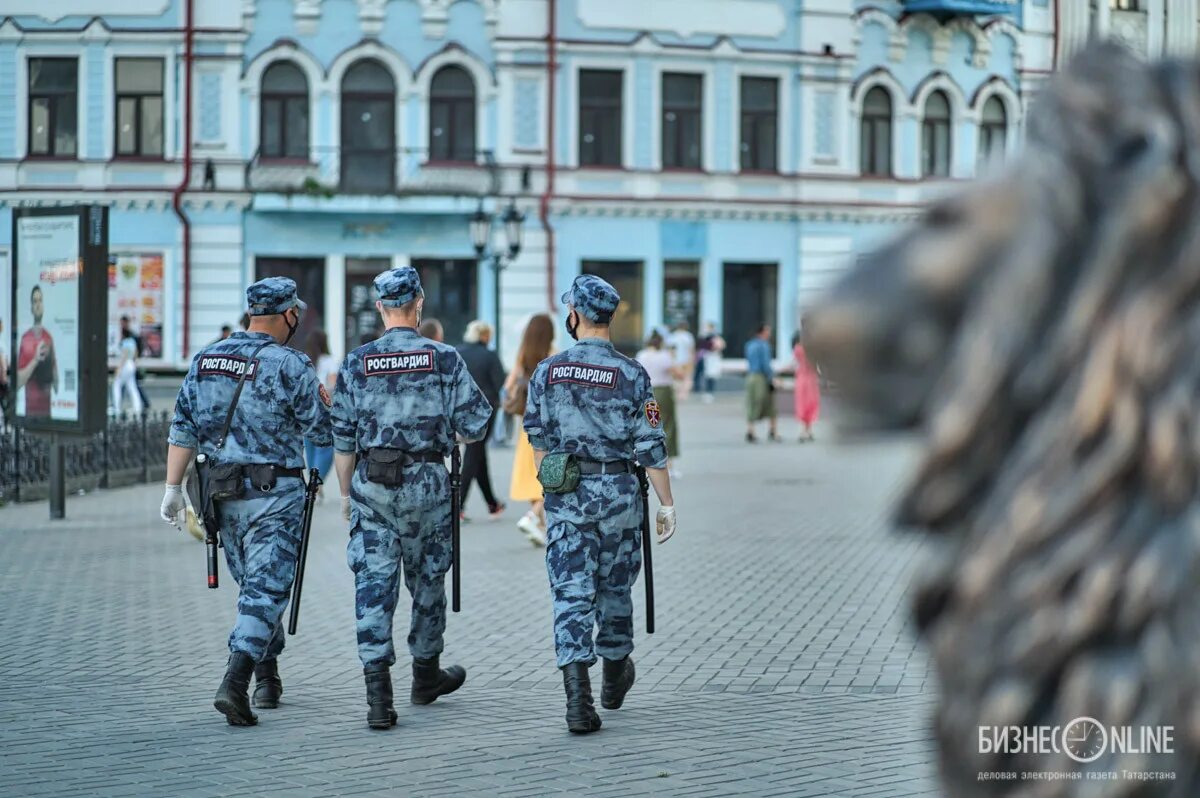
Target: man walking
(593, 405)
(760, 384)
(399, 403)
(485, 368)
(281, 403)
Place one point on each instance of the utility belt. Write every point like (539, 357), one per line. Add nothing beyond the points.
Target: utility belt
(386, 466)
(226, 481)
(587, 467)
(560, 471)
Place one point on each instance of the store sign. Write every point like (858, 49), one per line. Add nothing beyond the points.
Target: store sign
(60, 377)
(135, 290)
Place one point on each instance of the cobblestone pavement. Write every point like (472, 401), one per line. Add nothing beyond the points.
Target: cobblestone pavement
(784, 662)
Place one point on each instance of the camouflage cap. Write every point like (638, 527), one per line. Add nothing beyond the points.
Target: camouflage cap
(272, 295)
(397, 287)
(593, 298)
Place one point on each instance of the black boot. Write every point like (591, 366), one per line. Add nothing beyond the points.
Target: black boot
(267, 684)
(380, 714)
(581, 715)
(618, 678)
(430, 681)
(232, 699)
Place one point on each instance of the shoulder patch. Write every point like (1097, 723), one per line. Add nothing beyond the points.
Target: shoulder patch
(653, 413)
(326, 399)
(583, 374)
(398, 362)
(226, 366)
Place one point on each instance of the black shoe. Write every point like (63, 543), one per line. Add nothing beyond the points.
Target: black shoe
(232, 699)
(380, 714)
(618, 678)
(268, 687)
(581, 715)
(750, 438)
(429, 681)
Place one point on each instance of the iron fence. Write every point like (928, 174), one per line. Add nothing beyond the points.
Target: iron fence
(129, 450)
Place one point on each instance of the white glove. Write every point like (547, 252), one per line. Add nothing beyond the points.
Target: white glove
(174, 508)
(666, 522)
(346, 507)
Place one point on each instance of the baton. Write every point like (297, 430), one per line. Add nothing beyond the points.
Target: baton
(310, 499)
(455, 524)
(198, 495)
(647, 556)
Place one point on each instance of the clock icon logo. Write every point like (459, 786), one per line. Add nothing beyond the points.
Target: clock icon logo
(1084, 739)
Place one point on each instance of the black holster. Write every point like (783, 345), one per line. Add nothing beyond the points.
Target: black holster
(225, 481)
(386, 466)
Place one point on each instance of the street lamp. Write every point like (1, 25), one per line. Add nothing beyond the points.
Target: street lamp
(481, 236)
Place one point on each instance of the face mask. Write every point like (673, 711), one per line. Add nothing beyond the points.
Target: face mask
(573, 328)
(291, 327)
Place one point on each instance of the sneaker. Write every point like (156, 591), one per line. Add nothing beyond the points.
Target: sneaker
(497, 511)
(528, 525)
(750, 438)
(462, 517)
(538, 538)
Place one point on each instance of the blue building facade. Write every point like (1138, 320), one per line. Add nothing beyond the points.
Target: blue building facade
(717, 160)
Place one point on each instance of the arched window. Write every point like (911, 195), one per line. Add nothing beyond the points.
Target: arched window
(283, 120)
(368, 129)
(452, 116)
(935, 136)
(875, 141)
(993, 129)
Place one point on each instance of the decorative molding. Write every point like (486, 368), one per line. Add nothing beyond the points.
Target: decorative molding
(435, 17)
(371, 14)
(307, 14)
(249, 12)
(96, 31)
(9, 32)
(54, 10)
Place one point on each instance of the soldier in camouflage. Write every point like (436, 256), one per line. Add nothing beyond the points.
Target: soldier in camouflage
(281, 403)
(399, 403)
(595, 403)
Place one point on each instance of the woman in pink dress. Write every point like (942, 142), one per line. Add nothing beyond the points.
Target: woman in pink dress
(807, 391)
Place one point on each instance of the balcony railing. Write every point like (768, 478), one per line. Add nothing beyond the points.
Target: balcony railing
(952, 8)
(329, 171)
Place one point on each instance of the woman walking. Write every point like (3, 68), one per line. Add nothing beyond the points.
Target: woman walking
(807, 391)
(317, 349)
(125, 380)
(535, 347)
(664, 369)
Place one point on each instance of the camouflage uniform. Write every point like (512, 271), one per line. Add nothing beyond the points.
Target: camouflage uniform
(281, 403)
(594, 402)
(403, 391)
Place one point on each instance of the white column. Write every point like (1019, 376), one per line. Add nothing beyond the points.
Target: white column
(400, 261)
(1156, 13)
(335, 304)
(1103, 18)
(1180, 27)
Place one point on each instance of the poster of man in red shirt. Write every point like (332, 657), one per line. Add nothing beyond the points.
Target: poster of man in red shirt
(37, 367)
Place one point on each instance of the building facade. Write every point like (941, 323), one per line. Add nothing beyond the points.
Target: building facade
(717, 160)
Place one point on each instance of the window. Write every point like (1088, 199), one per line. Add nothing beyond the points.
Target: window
(140, 107)
(600, 117)
(283, 121)
(682, 105)
(1125, 5)
(993, 128)
(935, 136)
(875, 140)
(368, 157)
(451, 294)
(452, 116)
(53, 108)
(760, 124)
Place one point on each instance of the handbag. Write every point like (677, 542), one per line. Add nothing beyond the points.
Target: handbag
(515, 400)
(559, 472)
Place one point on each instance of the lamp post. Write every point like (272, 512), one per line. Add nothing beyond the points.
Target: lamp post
(481, 238)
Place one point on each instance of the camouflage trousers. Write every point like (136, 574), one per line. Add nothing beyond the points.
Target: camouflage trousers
(593, 557)
(261, 536)
(400, 529)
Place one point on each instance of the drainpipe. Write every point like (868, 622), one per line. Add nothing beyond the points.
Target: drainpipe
(177, 194)
(548, 193)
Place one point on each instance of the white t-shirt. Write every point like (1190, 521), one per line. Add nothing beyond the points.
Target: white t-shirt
(327, 366)
(657, 363)
(684, 345)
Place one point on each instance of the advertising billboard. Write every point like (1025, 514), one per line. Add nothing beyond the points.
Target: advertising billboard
(58, 319)
(135, 290)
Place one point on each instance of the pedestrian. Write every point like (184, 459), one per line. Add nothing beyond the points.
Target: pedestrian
(485, 368)
(760, 384)
(683, 346)
(713, 348)
(536, 344)
(593, 405)
(125, 378)
(432, 329)
(807, 392)
(226, 331)
(282, 403)
(662, 368)
(317, 350)
(127, 331)
(400, 402)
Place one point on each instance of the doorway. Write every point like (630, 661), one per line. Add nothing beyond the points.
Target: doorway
(450, 293)
(362, 320)
(628, 323)
(309, 274)
(749, 299)
(681, 294)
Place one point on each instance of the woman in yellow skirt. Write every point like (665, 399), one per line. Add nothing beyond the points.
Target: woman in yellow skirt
(535, 347)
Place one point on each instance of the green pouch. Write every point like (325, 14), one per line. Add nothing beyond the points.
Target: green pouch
(559, 473)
